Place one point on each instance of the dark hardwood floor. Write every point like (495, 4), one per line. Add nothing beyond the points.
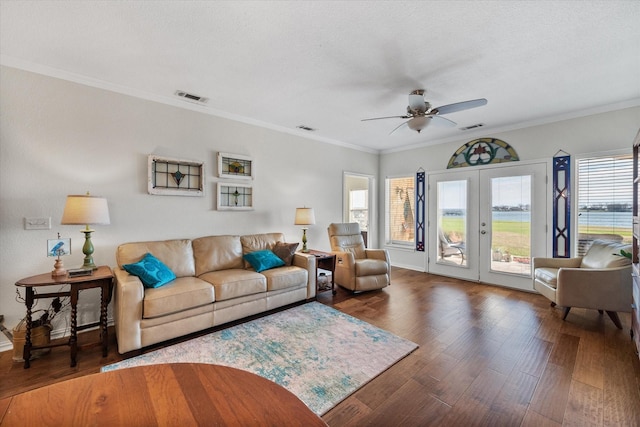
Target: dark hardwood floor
(488, 356)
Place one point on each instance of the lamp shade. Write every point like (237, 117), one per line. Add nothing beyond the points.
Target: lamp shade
(305, 216)
(85, 210)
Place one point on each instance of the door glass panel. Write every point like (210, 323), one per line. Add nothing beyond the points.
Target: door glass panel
(452, 222)
(511, 225)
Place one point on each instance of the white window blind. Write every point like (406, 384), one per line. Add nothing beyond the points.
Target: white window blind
(400, 210)
(605, 196)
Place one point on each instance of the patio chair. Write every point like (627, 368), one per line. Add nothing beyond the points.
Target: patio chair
(449, 248)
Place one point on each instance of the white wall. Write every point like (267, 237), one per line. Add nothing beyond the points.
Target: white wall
(59, 138)
(592, 134)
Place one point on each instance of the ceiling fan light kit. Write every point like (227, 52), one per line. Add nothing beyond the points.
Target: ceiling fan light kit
(420, 113)
(418, 123)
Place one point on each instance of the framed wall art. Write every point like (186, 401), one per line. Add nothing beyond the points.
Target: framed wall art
(235, 197)
(175, 177)
(235, 166)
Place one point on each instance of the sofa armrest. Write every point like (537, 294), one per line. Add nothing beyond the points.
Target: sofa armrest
(601, 289)
(541, 262)
(308, 262)
(127, 310)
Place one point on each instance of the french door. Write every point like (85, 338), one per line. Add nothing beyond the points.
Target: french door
(486, 225)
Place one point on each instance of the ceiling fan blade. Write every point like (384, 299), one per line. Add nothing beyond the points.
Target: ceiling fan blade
(398, 127)
(389, 117)
(459, 106)
(442, 122)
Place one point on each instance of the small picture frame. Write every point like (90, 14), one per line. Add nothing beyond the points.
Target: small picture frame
(234, 197)
(235, 166)
(58, 247)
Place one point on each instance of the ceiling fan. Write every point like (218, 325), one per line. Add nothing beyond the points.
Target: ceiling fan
(421, 114)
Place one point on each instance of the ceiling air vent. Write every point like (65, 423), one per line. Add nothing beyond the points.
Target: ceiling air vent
(478, 125)
(307, 128)
(191, 97)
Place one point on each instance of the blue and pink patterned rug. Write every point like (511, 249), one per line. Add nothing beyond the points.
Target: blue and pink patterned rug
(316, 352)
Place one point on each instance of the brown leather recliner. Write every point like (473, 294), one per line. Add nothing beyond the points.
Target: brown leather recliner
(599, 280)
(357, 268)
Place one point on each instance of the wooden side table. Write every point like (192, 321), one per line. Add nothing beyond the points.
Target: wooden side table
(101, 278)
(326, 261)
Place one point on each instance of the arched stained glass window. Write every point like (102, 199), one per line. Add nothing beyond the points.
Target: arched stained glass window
(483, 151)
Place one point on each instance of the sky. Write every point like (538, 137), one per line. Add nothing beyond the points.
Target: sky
(506, 191)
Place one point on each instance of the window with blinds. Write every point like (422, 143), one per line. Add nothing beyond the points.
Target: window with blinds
(605, 196)
(400, 210)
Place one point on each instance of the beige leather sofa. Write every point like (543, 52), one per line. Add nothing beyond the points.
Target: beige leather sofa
(214, 285)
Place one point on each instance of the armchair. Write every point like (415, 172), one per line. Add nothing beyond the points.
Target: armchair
(357, 268)
(599, 280)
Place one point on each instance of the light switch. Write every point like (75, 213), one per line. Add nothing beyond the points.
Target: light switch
(37, 223)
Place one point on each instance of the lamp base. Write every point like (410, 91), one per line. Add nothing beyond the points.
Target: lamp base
(89, 265)
(304, 241)
(87, 250)
(58, 269)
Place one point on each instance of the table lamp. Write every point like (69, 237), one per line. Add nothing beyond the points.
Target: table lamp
(304, 216)
(86, 210)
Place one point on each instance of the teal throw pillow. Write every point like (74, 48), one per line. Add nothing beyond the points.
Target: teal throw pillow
(263, 260)
(151, 271)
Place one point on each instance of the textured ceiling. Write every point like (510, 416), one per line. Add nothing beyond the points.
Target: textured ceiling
(327, 64)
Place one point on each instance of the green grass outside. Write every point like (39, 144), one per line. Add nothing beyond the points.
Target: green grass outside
(514, 237)
(624, 232)
(508, 236)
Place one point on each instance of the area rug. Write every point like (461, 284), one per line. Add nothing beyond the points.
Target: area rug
(316, 352)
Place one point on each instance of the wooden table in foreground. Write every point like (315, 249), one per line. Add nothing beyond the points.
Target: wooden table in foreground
(177, 394)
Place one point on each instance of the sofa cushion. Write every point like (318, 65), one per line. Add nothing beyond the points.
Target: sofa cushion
(214, 253)
(257, 242)
(263, 260)
(151, 271)
(285, 277)
(606, 254)
(235, 283)
(181, 294)
(548, 276)
(175, 254)
(285, 251)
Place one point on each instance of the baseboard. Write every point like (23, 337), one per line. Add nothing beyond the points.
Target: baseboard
(408, 267)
